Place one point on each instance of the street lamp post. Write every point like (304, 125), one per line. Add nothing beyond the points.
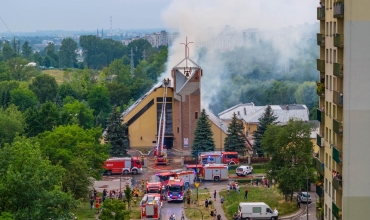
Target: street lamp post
(197, 173)
(306, 191)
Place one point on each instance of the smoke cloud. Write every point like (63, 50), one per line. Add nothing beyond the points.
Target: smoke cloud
(199, 20)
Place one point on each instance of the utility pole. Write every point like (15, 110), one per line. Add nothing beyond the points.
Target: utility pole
(306, 191)
(144, 55)
(132, 62)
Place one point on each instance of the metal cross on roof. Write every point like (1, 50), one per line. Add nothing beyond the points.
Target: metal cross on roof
(186, 50)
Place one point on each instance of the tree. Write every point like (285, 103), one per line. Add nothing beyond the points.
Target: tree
(8, 51)
(4, 72)
(67, 54)
(27, 50)
(98, 99)
(114, 210)
(81, 113)
(291, 150)
(18, 69)
(45, 87)
(23, 98)
(265, 120)
(203, 136)
(116, 135)
(119, 93)
(11, 124)
(235, 137)
(128, 196)
(30, 184)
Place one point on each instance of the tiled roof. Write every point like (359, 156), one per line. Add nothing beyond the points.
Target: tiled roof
(218, 122)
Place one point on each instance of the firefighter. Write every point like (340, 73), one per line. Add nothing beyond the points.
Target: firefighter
(188, 196)
(142, 184)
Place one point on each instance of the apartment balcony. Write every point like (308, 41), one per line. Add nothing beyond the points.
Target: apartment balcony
(320, 39)
(318, 165)
(338, 10)
(320, 65)
(337, 185)
(320, 89)
(338, 127)
(336, 210)
(319, 191)
(338, 98)
(320, 115)
(338, 70)
(337, 155)
(320, 13)
(338, 40)
(319, 140)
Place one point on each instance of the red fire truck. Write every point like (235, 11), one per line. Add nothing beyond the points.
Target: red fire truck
(151, 206)
(175, 190)
(165, 177)
(187, 176)
(218, 157)
(214, 172)
(125, 165)
(154, 187)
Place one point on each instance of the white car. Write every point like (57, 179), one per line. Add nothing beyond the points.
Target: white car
(304, 197)
(243, 170)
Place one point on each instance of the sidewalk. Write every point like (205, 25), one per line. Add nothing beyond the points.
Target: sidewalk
(217, 203)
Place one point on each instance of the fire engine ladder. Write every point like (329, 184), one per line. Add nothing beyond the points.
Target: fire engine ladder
(162, 121)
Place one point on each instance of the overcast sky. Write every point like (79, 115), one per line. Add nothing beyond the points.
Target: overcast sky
(32, 15)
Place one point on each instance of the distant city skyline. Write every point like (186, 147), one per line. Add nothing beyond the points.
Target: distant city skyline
(86, 15)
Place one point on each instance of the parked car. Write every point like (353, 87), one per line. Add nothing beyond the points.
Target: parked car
(305, 197)
(243, 170)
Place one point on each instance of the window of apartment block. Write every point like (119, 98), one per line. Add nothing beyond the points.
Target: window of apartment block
(330, 82)
(329, 214)
(326, 159)
(329, 108)
(333, 193)
(327, 81)
(335, 84)
(196, 115)
(178, 129)
(329, 188)
(326, 108)
(334, 111)
(326, 183)
(327, 28)
(327, 55)
(326, 211)
(335, 27)
(326, 134)
(330, 136)
(334, 56)
(330, 163)
(331, 29)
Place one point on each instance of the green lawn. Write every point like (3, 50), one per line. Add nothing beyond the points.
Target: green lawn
(270, 196)
(203, 194)
(83, 211)
(57, 74)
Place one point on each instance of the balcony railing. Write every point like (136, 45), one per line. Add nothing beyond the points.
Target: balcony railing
(338, 40)
(320, 89)
(320, 13)
(319, 115)
(319, 140)
(338, 10)
(320, 65)
(319, 191)
(335, 210)
(338, 98)
(337, 155)
(318, 165)
(338, 70)
(320, 39)
(337, 185)
(337, 127)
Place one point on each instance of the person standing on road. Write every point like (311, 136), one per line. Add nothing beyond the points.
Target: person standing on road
(298, 202)
(91, 202)
(246, 193)
(182, 215)
(219, 217)
(228, 188)
(214, 195)
(222, 201)
(206, 203)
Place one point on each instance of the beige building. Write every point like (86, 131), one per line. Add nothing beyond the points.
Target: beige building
(344, 108)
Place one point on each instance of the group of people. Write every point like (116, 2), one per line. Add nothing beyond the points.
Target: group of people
(173, 216)
(233, 186)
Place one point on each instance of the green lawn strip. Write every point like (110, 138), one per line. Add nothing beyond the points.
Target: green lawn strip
(203, 194)
(83, 211)
(259, 170)
(270, 196)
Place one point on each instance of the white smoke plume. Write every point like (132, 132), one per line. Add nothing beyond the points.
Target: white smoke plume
(195, 19)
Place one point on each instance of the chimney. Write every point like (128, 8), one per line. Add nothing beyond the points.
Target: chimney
(245, 111)
(287, 107)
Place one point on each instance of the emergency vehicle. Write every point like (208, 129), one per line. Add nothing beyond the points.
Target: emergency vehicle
(214, 172)
(218, 157)
(125, 165)
(165, 177)
(175, 190)
(187, 176)
(151, 206)
(154, 187)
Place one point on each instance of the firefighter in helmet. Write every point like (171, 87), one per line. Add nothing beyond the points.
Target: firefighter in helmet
(142, 184)
(188, 196)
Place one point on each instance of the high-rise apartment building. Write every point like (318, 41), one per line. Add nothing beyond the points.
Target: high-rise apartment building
(344, 109)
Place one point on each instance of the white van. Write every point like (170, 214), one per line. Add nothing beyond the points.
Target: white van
(243, 170)
(257, 210)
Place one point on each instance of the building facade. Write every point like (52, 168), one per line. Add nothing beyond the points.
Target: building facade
(344, 112)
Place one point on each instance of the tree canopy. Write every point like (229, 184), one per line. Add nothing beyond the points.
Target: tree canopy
(116, 135)
(203, 135)
(234, 140)
(265, 120)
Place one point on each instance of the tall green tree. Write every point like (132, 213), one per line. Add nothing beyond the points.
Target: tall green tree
(290, 148)
(18, 69)
(27, 50)
(114, 210)
(11, 124)
(265, 120)
(30, 184)
(7, 51)
(23, 98)
(45, 87)
(98, 100)
(203, 136)
(81, 114)
(116, 135)
(67, 54)
(234, 140)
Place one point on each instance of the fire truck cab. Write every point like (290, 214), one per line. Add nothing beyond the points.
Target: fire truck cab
(151, 206)
(165, 177)
(154, 187)
(175, 190)
(125, 165)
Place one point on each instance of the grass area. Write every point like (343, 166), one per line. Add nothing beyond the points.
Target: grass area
(57, 74)
(270, 196)
(203, 194)
(83, 211)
